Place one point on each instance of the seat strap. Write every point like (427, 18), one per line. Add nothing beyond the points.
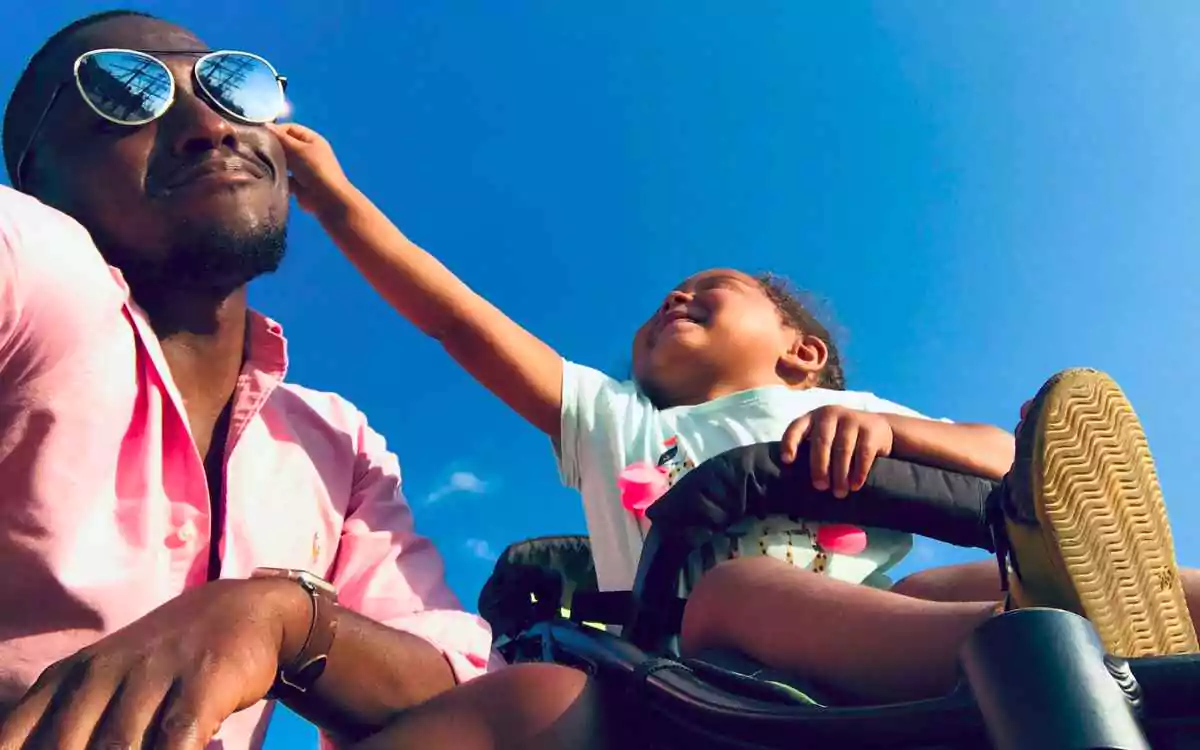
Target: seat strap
(604, 607)
(616, 608)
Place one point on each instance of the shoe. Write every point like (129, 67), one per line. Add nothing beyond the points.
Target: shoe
(1084, 520)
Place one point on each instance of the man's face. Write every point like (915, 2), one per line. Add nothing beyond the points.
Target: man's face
(192, 199)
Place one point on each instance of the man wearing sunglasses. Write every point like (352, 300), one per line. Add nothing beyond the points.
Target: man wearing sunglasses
(149, 445)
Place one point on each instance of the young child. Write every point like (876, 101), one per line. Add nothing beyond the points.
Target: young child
(726, 360)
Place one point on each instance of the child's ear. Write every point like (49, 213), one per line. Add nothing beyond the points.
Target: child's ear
(804, 360)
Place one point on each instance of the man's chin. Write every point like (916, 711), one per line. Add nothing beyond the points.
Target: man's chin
(223, 257)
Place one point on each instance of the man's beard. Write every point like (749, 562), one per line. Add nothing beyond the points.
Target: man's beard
(181, 289)
(213, 262)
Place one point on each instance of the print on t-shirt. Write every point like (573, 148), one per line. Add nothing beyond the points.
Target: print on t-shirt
(674, 461)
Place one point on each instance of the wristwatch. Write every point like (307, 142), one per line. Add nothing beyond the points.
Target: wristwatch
(309, 663)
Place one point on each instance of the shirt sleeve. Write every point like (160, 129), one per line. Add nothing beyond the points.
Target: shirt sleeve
(56, 291)
(10, 303)
(872, 403)
(388, 572)
(595, 408)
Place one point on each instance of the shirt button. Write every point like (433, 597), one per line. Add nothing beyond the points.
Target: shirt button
(183, 536)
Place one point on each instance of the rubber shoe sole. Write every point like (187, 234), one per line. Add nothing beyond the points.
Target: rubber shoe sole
(1087, 523)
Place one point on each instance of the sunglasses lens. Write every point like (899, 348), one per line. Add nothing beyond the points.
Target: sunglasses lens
(244, 85)
(125, 87)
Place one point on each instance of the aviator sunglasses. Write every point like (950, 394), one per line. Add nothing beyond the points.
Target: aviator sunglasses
(133, 87)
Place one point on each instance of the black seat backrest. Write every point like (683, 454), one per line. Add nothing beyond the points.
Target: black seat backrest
(533, 580)
(753, 482)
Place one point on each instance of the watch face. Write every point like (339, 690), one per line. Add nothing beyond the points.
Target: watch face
(320, 584)
(302, 577)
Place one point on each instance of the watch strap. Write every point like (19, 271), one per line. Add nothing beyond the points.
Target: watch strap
(309, 663)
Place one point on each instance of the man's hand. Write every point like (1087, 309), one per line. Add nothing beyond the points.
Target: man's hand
(316, 178)
(843, 445)
(169, 679)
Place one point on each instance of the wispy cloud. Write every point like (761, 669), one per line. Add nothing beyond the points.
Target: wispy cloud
(459, 482)
(482, 549)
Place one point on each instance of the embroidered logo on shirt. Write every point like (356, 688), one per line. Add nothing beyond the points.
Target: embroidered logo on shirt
(674, 460)
(316, 548)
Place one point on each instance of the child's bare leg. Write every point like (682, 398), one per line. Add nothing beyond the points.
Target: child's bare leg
(525, 706)
(874, 644)
(964, 582)
(980, 581)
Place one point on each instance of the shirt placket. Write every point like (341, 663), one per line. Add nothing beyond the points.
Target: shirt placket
(191, 512)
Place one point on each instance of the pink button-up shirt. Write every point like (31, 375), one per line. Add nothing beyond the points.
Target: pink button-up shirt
(104, 507)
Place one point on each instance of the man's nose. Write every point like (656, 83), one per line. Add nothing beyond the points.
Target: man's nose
(194, 125)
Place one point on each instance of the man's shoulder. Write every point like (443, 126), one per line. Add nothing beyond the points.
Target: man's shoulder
(326, 424)
(12, 200)
(39, 236)
(20, 212)
(324, 407)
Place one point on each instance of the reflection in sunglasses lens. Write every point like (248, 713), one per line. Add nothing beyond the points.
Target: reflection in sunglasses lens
(244, 85)
(125, 86)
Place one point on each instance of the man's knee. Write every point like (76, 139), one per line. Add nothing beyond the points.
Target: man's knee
(527, 705)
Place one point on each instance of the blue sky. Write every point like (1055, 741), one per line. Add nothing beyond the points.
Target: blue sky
(983, 192)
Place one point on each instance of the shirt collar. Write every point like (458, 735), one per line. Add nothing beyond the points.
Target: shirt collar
(266, 346)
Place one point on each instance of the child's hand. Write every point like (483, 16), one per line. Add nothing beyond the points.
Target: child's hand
(843, 444)
(316, 178)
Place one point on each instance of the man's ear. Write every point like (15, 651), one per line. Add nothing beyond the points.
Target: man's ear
(804, 359)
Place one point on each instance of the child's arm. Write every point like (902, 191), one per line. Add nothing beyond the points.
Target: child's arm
(977, 449)
(843, 444)
(505, 358)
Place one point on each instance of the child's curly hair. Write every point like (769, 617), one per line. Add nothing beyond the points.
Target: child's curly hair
(787, 299)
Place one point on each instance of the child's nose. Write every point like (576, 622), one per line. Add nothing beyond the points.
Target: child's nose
(676, 297)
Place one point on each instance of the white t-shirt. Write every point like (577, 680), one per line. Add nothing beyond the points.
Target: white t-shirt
(609, 424)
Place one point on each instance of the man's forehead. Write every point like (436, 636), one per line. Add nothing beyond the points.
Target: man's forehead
(130, 32)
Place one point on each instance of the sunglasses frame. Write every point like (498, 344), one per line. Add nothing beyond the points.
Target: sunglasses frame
(151, 55)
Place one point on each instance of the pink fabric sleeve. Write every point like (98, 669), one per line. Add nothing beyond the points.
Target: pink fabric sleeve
(388, 572)
(10, 307)
(55, 288)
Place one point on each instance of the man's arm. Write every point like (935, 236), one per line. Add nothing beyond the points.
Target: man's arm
(509, 361)
(374, 672)
(402, 636)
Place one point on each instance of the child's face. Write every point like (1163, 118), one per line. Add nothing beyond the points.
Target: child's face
(718, 329)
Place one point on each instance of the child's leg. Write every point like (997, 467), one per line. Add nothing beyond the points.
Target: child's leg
(1088, 532)
(871, 643)
(980, 581)
(965, 582)
(524, 706)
